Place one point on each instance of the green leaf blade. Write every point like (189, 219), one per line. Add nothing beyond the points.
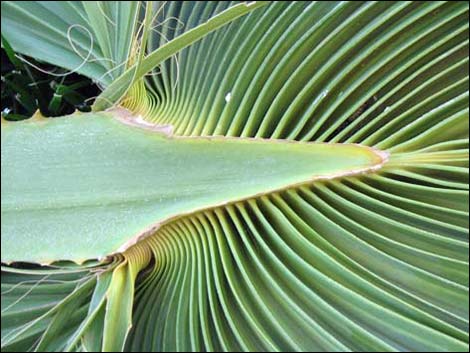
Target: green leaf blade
(87, 185)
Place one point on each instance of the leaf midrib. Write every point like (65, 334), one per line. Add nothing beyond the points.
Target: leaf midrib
(110, 182)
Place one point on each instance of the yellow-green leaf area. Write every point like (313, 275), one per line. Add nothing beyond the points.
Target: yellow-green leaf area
(88, 185)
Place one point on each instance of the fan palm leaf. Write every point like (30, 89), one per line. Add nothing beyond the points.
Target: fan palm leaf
(254, 176)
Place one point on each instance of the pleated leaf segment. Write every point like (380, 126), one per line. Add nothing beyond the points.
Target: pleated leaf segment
(286, 176)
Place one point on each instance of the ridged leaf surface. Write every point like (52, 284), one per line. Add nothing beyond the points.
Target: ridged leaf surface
(366, 262)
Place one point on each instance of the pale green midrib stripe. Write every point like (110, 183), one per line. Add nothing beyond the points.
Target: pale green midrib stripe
(11, 207)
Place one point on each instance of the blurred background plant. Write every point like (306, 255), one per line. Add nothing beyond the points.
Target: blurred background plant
(26, 89)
